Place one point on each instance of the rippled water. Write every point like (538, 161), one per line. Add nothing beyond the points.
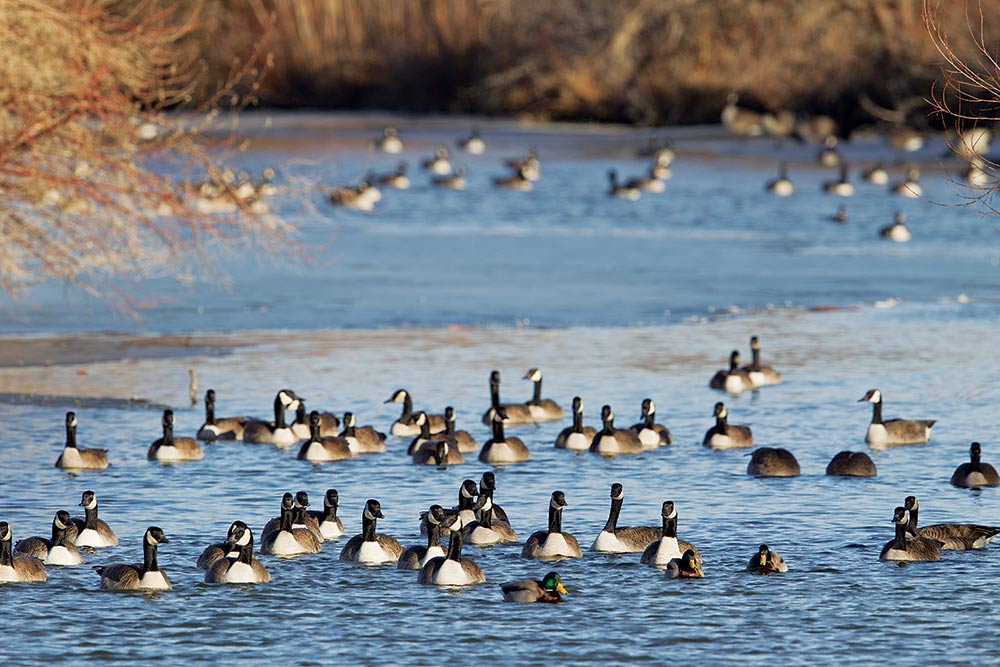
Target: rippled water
(695, 271)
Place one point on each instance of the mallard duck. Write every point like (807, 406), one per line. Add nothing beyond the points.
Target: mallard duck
(688, 566)
(952, 536)
(145, 577)
(548, 589)
(766, 561)
(975, 474)
(893, 432)
(552, 543)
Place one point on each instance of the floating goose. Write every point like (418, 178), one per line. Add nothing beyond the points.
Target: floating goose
(145, 577)
(773, 462)
(829, 156)
(473, 144)
(369, 547)
(329, 424)
(630, 539)
(424, 437)
(288, 540)
(75, 458)
(688, 566)
(277, 432)
(487, 487)
(667, 547)
(460, 440)
(650, 183)
(529, 165)
(626, 191)
(910, 186)
(361, 197)
(517, 413)
(244, 568)
(952, 536)
(518, 181)
(414, 557)
(397, 179)
(725, 435)
(454, 181)
(552, 543)
(389, 142)
(440, 164)
(541, 409)
(877, 174)
(330, 526)
(319, 449)
(897, 231)
(893, 432)
(362, 439)
(219, 428)
(226, 549)
(405, 426)
(766, 561)
(759, 374)
(975, 474)
(739, 120)
(906, 549)
(464, 512)
(734, 380)
(57, 550)
(437, 453)
(651, 434)
(500, 448)
(24, 569)
(611, 441)
(549, 589)
(576, 437)
(851, 464)
(781, 186)
(840, 187)
(451, 570)
(170, 449)
(485, 530)
(91, 531)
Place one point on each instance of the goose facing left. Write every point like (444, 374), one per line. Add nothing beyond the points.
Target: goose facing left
(552, 543)
(143, 577)
(277, 432)
(57, 550)
(169, 449)
(405, 425)
(90, 530)
(24, 569)
(75, 458)
(219, 428)
(371, 547)
(893, 432)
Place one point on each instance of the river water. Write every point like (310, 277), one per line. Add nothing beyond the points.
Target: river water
(616, 301)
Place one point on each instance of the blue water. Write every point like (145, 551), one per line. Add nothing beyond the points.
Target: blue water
(615, 301)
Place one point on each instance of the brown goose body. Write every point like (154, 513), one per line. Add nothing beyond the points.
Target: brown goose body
(56, 550)
(90, 530)
(75, 458)
(734, 380)
(624, 539)
(552, 543)
(773, 462)
(951, 536)
(905, 549)
(851, 464)
(502, 448)
(170, 449)
(451, 570)
(651, 434)
(975, 474)
(725, 435)
(22, 568)
(219, 428)
(146, 576)
(244, 568)
(370, 547)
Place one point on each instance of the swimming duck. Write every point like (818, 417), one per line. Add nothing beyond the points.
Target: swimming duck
(893, 432)
(389, 142)
(330, 527)
(145, 577)
(548, 589)
(897, 231)
(766, 561)
(319, 449)
(734, 380)
(485, 530)
(440, 164)
(517, 413)
(244, 568)
(610, 441)
(75, 458)
(829, 156)
(688, 566)
(541, 409)
(362, 439)
(851, 464)
(661, 551)
(288, 540)
(906, 549)
(725, 435)
(89, 530)
(23, 569)
(169, 449)
(773, 462)
(759, 374)
(58, 550)
(840, 187)
(277, 432)
(952, 536)
(405, 425)
(397, 179)
(650, 433)
(414, 557)
(219, 428)
(369, 547)
(781, 185)
(473, 144)
(552, 543)
(877, 174)
(451, 570)
(631, 539)
(225, 549)
(576, 437)
(621, 191)
(518, 181)
(975, 474)
(910, 186)
(454, 181)
(500, 448)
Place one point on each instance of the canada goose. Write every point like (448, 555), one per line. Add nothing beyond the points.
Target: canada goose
(330, 526)
(389, 142)
(460, 440)
(287, 540)
(451, 570)
(454, 181)
(414, 557)
(486, 530)
(876, 174)
(397, 179)
(902, 548)
(244, 568)
(518, 181)
(829, 156)
(781, 186)
(660, 152)
(487, 487)
(549, 589)
(897, 231)
(739, 120)
(576, 437)
(219, 428)
(687, 566)
(840, 217)
(225, 549)
(74, 458)
(362, 439)
(760, 375)
(840, 187)
(58, 550)
(632, 539)
(773, 462)
(440, 164)
(650, 183)
(425, 436)
(277, 432)
(815, 128)
(552, 543)
(145, 577)
(529, 166)
(319, 449)
(851, 464)
(650, 433)
(725, 435)
(329, 424)
(625, 191)
(976, 175)
(90, 531)
(666, 547)
(371, 548)
(405, 426)
(766, 561)
(610, 441)
(302, 517)
(910, 186)
(473, 144)
(893, 431)
(464, 513)
(501, 448)
(541, 409)
(25, 569)
(437, 453)
(975, 474)
(661, 172)
(904, 139)
(952, 536)
(361, 197)
(734, 380)
(517, 413)
(972, 142)
(170, 449)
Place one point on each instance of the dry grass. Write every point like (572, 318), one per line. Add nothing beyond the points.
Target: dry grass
(84, 197)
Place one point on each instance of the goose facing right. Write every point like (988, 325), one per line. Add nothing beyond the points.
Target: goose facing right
(541, 409)
(773, 462)
(549, 589)
(57, 550)
(370, 547)
(725, 435)
(576, 437)
(975, 474)
(75, 458)
(277, 432)
(906, 549)
(552, 543)
(952, 536)
(145, 577)
(24, 569)
(893, 432)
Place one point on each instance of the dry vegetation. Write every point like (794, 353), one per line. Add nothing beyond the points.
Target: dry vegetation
(84, 184)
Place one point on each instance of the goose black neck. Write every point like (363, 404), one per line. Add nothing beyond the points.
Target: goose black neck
(433, 534)
(285, 522)
(616, 507)
(368, 529)
(58, 534)
(455, 546)
(720, 424)
(733, 364)
(90, 517)
(425, 429)
(609, 426)
(148, 557)
(670, 526)
(494, 394)
(246, 553)
(877, 412)
(350, 430)
(330, 513)
(974, 460)
(71, 435)
(463, 502)
(6, 557)
(168, 435)
(755, 364)
(577, 422)
(537, 396)
(299, 516)
(498, 434)
(486, 517)
(901, 528)
(314, 435)
(555, 519)
(279, 413)
(449, 429)
(650, 419)
(911, 525)
(407, 409)
(209, 412)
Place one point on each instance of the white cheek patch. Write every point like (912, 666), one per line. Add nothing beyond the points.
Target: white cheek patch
(723, 413)
(150, 539)
(554, 505)
(59, 524)
(652, 407)
(620, 496)
(672, 515)
(369, 515)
